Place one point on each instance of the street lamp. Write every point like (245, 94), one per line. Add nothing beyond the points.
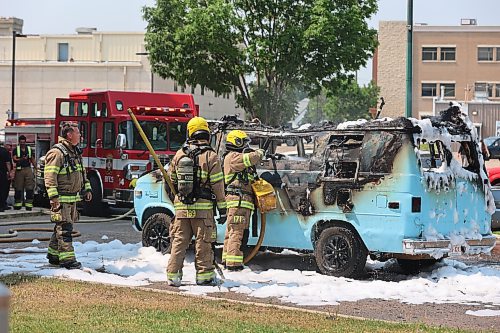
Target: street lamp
(14, 35)
(150, 68)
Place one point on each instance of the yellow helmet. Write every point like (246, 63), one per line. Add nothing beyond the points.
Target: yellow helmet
(237, 140)
(197, 124)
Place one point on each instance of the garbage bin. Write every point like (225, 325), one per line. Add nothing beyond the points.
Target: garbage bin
(4, 308)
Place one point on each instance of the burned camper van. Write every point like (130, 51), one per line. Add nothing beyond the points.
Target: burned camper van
(388, 189)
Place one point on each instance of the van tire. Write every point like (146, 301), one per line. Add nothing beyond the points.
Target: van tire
(95, 207)
(409, 266)
(340, 252)
(156, 232)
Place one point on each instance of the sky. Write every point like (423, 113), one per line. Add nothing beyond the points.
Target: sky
(64, 16)
(112, 262)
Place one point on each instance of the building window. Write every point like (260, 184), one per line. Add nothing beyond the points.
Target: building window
(429, 54)
(448, 54)
(429, 89)
(498, 54)
(484, 54)
(497, 90)
(449, 89)
(63, 52)
(175, 86)
(484, 88)
(202, 92)
(193, 89)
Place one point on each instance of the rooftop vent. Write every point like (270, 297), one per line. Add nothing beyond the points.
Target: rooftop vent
(468, 21)
(85, 31)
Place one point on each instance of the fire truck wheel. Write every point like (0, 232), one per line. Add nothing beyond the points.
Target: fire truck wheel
(95, 207)
(340, 252)
(156, 233)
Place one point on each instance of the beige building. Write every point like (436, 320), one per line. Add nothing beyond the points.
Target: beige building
(50, 66)
(449, 62)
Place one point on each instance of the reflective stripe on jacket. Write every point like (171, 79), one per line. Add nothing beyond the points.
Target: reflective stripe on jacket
(64, 181)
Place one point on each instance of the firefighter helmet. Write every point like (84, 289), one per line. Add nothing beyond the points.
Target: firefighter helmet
(196, 126)
(237, 140)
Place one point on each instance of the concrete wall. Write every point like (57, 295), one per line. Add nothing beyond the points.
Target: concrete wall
(391, 69)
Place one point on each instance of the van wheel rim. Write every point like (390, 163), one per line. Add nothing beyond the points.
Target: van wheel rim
(159, 238)
(336, 253)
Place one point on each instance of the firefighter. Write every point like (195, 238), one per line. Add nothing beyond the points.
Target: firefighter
(197, 176)
(24, 179)
(65, 178)
(239, 170)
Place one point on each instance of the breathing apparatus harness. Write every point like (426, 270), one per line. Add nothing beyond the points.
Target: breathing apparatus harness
(243, 178)
(70, 163)
(189, 187)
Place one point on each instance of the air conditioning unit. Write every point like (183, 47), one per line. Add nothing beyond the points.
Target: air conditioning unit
(468, 22)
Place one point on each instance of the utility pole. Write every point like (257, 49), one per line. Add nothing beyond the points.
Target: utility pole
(409, 60)
(13, 83)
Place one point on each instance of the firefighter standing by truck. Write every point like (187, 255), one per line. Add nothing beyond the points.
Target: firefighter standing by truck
(197, 175)
(24, 179)
(65, 178)
(239, 170)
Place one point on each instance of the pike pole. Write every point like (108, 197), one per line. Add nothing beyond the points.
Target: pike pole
(151, 150)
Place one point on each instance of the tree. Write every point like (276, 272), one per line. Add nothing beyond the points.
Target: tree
(260, 49)
(352, 102)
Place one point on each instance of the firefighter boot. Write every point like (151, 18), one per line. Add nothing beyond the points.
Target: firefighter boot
(174, 282)
(174, 279)
(71, 265)
(53, 259)
(212, 282)
(235, 268)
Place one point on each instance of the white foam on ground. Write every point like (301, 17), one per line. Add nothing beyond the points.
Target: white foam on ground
(451, 281)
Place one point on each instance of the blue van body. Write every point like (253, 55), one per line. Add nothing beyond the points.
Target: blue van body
(390, 189)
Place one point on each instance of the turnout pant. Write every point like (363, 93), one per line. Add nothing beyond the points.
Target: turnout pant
(238, 220)
(24, 181)
(4, 189)
(61, 242)
(183, 229)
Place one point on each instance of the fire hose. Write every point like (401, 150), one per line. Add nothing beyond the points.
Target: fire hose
(10, 237)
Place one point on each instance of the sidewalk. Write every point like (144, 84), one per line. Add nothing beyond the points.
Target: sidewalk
(12, 214)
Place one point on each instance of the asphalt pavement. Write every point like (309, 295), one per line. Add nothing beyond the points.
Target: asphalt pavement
(99, 232)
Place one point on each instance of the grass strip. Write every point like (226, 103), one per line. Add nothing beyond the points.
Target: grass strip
(52, 305)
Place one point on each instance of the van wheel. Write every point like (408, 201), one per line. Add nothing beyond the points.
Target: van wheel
(340, 252)
(95, 207)
(156, 232)
(415, 266)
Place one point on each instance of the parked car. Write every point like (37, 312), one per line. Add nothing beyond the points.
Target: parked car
(388, 189)
(493, 144)
(494, 176)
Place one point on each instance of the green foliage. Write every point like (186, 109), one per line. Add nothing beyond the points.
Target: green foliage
(276, 45)
(352, 102)
(349, 102)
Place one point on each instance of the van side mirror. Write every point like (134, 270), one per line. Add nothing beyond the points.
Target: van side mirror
(121, 141)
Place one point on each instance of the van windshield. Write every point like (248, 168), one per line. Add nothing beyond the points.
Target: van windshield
(157, 132)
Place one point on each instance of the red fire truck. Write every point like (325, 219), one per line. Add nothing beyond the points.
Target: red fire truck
(113, 152)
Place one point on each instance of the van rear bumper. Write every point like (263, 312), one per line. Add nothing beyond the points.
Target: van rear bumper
(444, 247)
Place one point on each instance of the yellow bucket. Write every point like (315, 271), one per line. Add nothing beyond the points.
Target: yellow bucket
(265, 195)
